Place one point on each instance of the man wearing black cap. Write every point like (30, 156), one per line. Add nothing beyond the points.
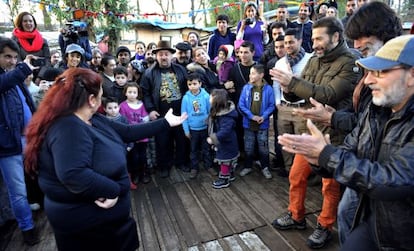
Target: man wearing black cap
(183, 54)
(164, 86)
(123, 55)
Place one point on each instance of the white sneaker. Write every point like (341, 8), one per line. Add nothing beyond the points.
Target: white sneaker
(34, 206)
(257, 162)
(245, 171)
(267, 173)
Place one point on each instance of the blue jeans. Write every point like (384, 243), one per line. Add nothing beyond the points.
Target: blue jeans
(262, 139)
(346, 212)
(13, 176)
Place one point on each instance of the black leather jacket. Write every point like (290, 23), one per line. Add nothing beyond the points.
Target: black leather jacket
(151, 83)
(377, 161)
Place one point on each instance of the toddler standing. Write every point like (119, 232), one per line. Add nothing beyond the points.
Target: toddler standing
(224, 62)
(222, 135)
(134, 111)
(196, 103)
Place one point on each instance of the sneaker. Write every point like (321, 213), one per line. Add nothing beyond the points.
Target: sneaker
(132, 186)
(287, 222)
(146, 179)
(34, 206)
(257, 162)
(221, 183)
(30, 237)
(231, 178)
(267, 173)
(193, 173)
(245, 171)
(319, 237)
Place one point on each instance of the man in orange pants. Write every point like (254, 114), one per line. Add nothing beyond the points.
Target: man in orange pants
(329, 77)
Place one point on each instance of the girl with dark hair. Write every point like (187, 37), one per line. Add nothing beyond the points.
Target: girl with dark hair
(80, 158)
(222, 136)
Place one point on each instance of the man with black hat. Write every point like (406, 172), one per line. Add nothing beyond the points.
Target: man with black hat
(164, 86)
(183, 54)
(123, 55)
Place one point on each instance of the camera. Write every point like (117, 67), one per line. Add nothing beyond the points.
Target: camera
(38, 62)
(248, 21)
(74, 29)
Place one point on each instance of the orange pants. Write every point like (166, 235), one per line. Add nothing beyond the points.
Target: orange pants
(298, 179)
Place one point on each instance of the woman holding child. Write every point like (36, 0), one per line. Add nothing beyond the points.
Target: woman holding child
(204, 68)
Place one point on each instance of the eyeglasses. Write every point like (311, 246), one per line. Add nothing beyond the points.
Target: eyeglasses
(379, 73)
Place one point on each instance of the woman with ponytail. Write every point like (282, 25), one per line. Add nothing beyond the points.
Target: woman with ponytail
(80, 159)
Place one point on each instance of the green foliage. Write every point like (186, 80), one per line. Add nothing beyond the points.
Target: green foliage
(233, 12)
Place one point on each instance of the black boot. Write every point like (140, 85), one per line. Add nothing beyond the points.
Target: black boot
(30, 237)
(222, 182)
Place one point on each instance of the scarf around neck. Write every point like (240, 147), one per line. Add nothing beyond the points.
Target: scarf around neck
(24, 37)
(294, 60)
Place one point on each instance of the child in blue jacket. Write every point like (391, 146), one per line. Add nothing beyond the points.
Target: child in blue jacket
(256, 104)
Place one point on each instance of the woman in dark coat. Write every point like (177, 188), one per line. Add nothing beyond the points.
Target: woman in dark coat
(80, 158)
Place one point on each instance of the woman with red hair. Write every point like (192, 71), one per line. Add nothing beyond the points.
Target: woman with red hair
(80, 159)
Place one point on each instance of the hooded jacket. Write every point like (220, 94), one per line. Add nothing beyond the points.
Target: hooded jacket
(217, 39)
(222, 131)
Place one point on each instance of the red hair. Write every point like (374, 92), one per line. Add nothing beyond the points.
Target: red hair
(69, 93)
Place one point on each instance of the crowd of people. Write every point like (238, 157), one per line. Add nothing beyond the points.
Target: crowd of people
(89, 126)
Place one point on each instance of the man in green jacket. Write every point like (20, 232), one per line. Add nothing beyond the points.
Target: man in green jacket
(329, 77)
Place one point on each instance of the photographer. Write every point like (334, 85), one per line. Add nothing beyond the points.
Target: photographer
(75, 33)
(253, 29)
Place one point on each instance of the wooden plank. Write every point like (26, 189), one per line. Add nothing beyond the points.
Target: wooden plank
(212, 246)
(197, 213)
(186, 226)
(272, 238)
(210, 207)
(146, 229)
(253, 241)
(238, 214)
(169, 239)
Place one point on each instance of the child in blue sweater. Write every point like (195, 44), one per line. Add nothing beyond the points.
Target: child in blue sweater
(196, 104)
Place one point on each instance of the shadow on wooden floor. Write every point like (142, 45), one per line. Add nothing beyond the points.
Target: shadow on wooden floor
(182, 214)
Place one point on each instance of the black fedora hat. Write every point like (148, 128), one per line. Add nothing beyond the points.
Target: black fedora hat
(163, 45)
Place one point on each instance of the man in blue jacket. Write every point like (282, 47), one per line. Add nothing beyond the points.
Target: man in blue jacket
(15, 112)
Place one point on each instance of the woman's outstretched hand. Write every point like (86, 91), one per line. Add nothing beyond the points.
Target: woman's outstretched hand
(174, 120)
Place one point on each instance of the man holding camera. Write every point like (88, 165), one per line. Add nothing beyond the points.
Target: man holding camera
(75, 33)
